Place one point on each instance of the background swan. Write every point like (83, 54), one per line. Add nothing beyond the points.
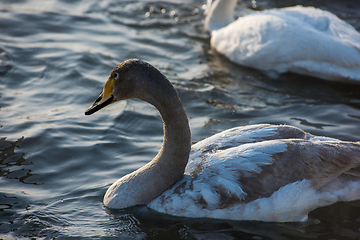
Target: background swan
(258, 172)
(298, 39)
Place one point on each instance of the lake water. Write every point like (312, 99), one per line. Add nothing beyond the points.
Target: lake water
(56, 163)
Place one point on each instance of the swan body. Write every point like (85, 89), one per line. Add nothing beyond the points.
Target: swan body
(258, 172)
(303, 40)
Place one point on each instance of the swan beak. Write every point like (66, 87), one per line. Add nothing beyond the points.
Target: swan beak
(105, 98)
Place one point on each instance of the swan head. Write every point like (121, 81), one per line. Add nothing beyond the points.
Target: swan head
(132, 78)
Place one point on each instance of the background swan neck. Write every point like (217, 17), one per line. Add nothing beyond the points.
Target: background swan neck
(220, 15)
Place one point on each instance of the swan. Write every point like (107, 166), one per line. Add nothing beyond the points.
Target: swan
(259, 172)
(302, 40)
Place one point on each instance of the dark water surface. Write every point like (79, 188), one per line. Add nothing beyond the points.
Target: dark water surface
(56, 164)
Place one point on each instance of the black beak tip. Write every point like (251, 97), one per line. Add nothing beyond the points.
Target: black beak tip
(88, 112)
(96, 107)
(93, 108)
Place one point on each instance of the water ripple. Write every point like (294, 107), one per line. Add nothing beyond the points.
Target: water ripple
(56, 163)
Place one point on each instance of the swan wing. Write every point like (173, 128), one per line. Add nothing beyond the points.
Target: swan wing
(269, 173)
(325, 22)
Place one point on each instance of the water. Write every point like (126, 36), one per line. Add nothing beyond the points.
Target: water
(56, 163)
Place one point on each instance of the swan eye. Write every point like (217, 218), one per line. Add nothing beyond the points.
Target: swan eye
(116, 76)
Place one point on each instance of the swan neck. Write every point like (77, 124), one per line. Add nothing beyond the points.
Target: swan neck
(220, 15)
(169, 164)
(147, 183)
(176, 145)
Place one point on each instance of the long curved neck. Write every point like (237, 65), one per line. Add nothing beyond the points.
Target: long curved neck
(220, 15)
(175, 149)
(148, 182)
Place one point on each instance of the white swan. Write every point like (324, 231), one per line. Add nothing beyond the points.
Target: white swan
(298, 39)
(259, 172)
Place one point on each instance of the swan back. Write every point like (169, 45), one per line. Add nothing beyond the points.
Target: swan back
(297, 39)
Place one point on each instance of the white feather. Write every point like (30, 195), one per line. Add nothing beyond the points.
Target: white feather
(298, 39)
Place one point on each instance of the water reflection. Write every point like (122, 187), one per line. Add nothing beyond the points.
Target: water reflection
(310, 88)
(155, 225)
(312, 124)
(6, 202)
(152, 15)
(12, 163)
(324, 223)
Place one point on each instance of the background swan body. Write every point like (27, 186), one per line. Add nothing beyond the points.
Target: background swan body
(258, 172)
(303, 40)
